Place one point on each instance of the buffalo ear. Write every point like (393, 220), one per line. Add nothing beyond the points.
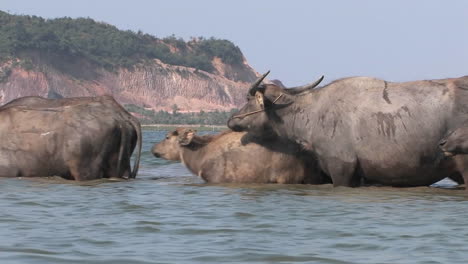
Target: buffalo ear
(186, 137)
(259, 99)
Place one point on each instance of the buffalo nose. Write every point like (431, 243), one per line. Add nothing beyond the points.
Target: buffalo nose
(231, 124)
(234, 125)
(155, 153)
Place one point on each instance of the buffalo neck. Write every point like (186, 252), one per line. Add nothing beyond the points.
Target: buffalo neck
(192, 154)
(300, 121)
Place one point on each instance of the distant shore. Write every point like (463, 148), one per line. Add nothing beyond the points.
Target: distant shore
(173, 126)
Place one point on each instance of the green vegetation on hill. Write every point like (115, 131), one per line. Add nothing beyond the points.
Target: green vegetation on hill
(106, 45)
(177, 118)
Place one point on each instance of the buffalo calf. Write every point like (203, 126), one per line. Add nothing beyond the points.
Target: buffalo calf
(233, 157)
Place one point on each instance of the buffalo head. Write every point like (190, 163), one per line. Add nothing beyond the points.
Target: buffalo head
(169, 148)
(455, 142)
(260, 115)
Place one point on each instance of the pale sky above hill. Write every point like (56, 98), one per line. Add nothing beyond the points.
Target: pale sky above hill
(298, 40)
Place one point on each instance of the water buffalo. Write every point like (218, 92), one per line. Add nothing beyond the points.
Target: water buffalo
(233, 157)
(455, 142)
(75, 138)
(360, 127)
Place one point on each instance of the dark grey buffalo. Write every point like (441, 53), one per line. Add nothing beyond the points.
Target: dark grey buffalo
(456, 142)
(365, 128)
(233, 157)
(75, 138)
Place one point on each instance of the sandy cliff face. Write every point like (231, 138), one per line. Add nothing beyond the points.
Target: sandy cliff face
(154, 85)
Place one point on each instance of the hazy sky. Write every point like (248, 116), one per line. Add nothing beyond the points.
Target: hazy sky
(397, 40)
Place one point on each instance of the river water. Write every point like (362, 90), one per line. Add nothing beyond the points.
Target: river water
(167, 215)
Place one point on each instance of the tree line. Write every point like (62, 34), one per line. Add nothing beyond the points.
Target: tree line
(106, 45)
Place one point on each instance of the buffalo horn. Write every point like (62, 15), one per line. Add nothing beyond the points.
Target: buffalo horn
(257, 83)
(306, 87)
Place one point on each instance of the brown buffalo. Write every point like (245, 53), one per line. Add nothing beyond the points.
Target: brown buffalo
(233, 157)
(75, 138)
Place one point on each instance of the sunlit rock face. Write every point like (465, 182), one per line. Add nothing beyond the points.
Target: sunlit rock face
(154, 85)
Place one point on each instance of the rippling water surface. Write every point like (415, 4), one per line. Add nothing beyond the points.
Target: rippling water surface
(167, 215)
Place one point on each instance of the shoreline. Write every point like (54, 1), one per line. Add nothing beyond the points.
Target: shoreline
(174, 126)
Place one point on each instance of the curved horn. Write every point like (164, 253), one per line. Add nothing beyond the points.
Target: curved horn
(257, 82)
(300, 89)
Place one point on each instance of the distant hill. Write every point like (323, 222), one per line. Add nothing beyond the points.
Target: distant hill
(67, 57)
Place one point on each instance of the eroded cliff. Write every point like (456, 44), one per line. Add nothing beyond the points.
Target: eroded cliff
(153, 85)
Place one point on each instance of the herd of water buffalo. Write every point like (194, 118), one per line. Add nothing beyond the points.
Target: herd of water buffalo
(350, 132)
